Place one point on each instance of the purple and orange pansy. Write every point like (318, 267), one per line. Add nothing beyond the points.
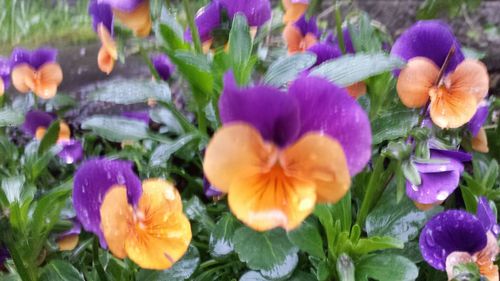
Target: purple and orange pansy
(278, 154)
(141, 221)
(36, 71)
(68, 240)
(294, 9)
(456, 237)
(437, 74)
(134, 14)
(102, 22)
(5, 66)
(301, 34)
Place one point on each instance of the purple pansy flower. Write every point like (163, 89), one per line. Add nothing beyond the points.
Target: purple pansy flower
(71, 152)
(324, 52)
(431, 39)
(163, 66)
(307, 26)
(5, 66)
(478, 120)
(123, 5)
(312, 104)
(439, 178)
(101, 13)
(35, 58)
(36, 119)
(92, 181)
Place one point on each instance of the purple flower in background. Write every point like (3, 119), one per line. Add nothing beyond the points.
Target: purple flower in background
(439, 176)
(479, 119)
(5, 66)
(163, 66)
(209, 190)
(349, 46)
(72, 151)
(68, 240)
(101, 13)
(324, 52)
(92, 181)
(134, 14)
(36, 120)
(301, 35)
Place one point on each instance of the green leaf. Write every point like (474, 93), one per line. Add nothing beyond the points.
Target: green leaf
(393, 125)
(196, 70)
(12, 188)
(58, 270)
(221, 239)
(376, 243)
(196, 211)
(308, 238)
(50, 138)
(180, 271)
(253, 276)
(240, 48)
(168, 119)
(171, 32)
(263, 250)
(164, 151)
(282, 271)
(350, 69)
(10, 117)
(411, 173)
(115, 128)
(386, 267)
(287, 68)
(345, 268)
(469, 199)
(132, 92)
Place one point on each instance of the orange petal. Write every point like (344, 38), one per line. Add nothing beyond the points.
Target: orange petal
(451, 109)
(486, 257)
(357, 90)
(415, 81)
(293, 38)
(273, 199)
(23, 78)
(236, 151)
(68, 243)
(162, 233)
(320, 159)
(293, 11)
(139, 20)
(107, 41)
(426, 207)
(40, 132)
(116, 217)
(480, 142)
(105, 61)
(471, 76)
(308, 41)
(454, 259)
(2, 87)
(49, 77)
(64, 132)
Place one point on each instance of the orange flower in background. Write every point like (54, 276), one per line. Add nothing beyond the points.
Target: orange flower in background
(301, 35)
(154, 234)
(294, 9)
(137, 19)
(108, 54)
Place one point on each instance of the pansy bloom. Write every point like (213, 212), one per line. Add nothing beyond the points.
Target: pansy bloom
(143, 222)
(4, 75)
(36, 71)
(278, 154)
(102, 22)
(301, 35)
(134, 14)
(210, 18)
(455, 237)
(36, 124)
(294, 9)
(439, 177)
(479, 138)
(438, 74)
(163, 66)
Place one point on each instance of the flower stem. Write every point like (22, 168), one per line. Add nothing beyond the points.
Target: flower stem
(192, 26)
(97, 262)
(446, 63)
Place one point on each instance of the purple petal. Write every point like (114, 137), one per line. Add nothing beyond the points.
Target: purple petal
(36, 119)
(72, 151)
(487, 217)
(454, 154)
(257, 12)
(4, 255)
(5, 71)
(327, 108)
(432, 39)
(478, 120)
(92, 181)
(274, 113)
(35, 58)
(142, 116)
(75, 230)
(101, 14)
(448, 232)
(209, 190)
(123, 5)
(324, 52)
(163, 66)
(307, 26)
(207, 19)
(349, 46)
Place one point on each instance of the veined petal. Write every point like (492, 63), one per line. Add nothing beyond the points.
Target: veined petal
(236, 151)
(23, 78)
(416, 80)
(451, 109)
(480, 142)
(320, 159)
(138, 20)
(471, 77)
(116, 220)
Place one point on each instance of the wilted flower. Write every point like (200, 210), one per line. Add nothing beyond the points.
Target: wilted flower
(455, 237)
(36, 124)
(294, 9)
(301, 35)
(4, 75)
(164, 67)
(280, 153)
(36, 71)
(479, 138)
(439, 177)
(68, 240)
(437, 74)
(142, 222)
(102, 22)
(134, 14)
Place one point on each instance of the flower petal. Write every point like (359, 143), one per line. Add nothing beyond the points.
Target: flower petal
(105, 61)
(5, 73)
(479, 119)
(123, 5)
(432, 39)
(72, 151)
(273, 113)
(68, 240)
(207, 19)
(416, 80)
(163, 66)
(471, 77)
(448, 232)
(236, 151)
(325, 108)
(23, 78)
(451, 109)
(50, 76)
(307, 26)
(101, 13)
(480, 142)
(486, 257)
(116, 215)
(293, 39)
(35, 119)
(319, 158)
(357, 90)
(324, 52)
(486, 215)
(138, 20)
(257, 12)
(294, 10)
(92, 181)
